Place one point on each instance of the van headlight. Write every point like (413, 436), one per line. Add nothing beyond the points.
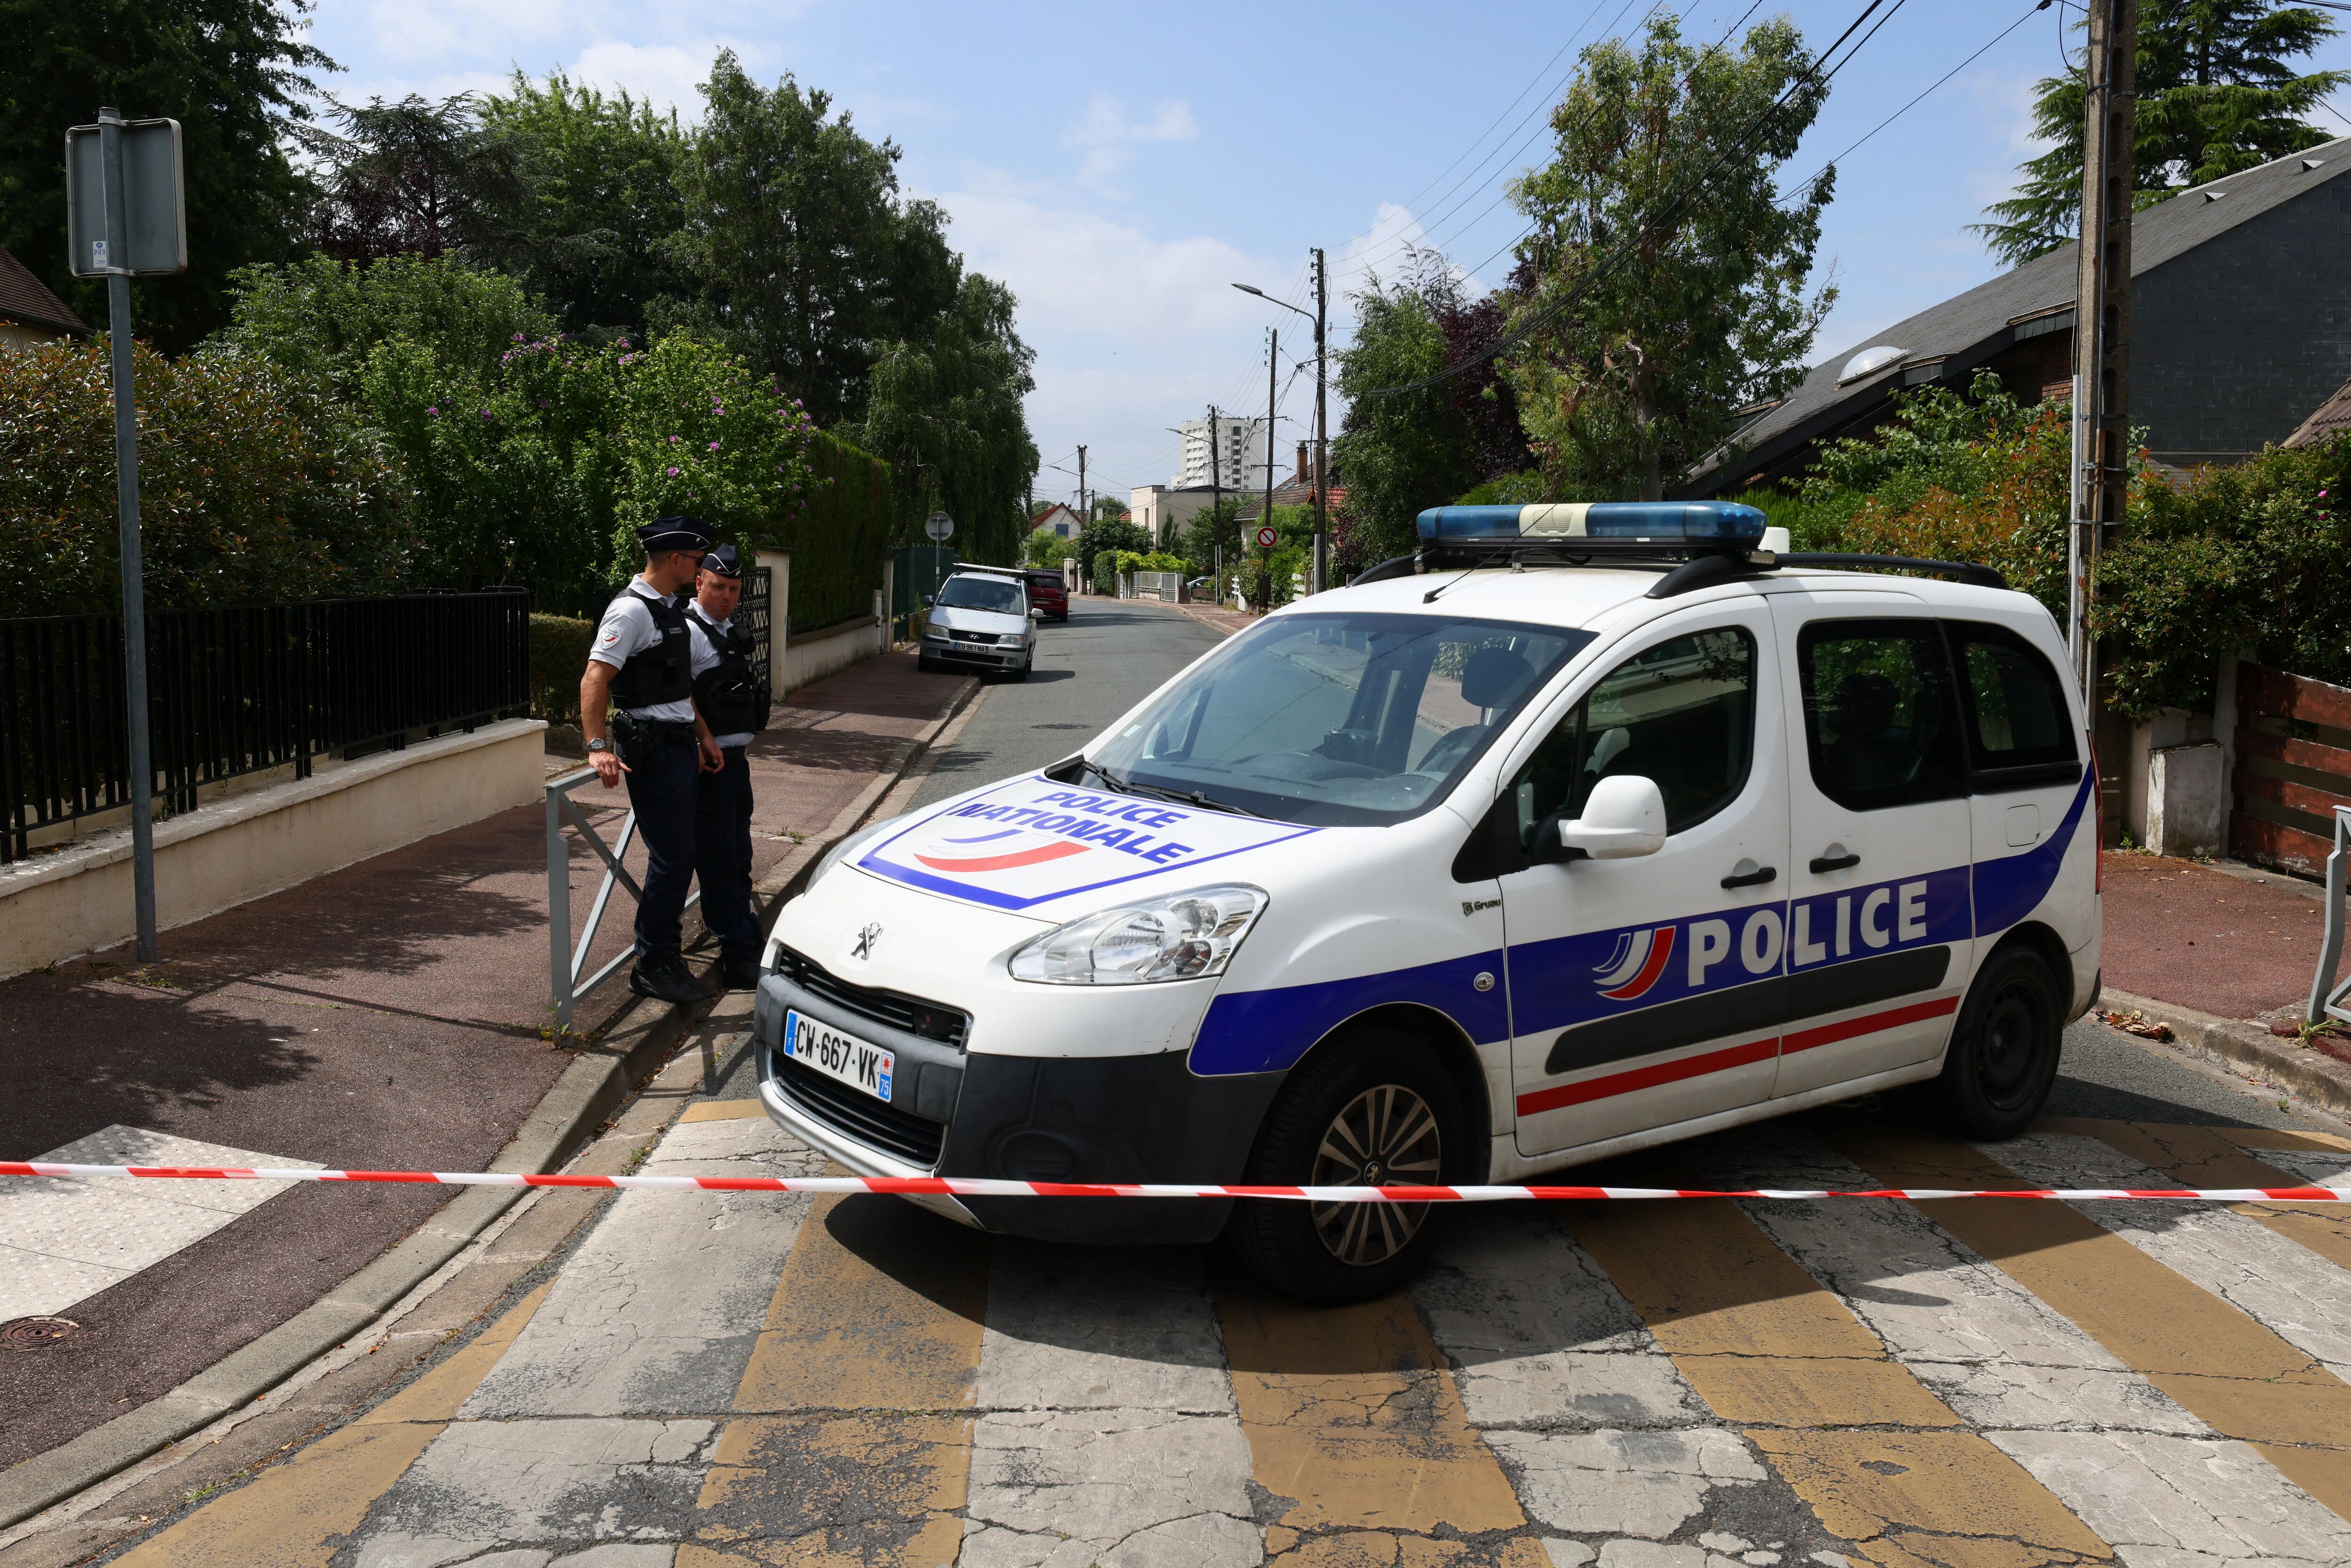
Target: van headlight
(1180, 937)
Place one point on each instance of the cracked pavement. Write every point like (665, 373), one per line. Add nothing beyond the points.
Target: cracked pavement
(700, 1380)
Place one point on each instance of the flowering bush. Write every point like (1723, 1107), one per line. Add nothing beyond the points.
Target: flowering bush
(254, 485)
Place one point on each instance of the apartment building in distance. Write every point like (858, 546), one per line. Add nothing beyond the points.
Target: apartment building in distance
(1238, 451)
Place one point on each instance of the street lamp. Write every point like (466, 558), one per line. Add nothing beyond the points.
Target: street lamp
(1321, 423)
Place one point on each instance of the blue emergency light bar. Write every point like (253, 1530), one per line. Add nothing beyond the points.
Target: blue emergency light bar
(1711, 525)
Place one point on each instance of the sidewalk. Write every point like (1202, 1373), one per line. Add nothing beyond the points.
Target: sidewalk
(389, 1015)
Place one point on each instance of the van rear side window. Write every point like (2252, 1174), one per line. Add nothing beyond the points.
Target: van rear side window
(2015, 703)
(1879, 720)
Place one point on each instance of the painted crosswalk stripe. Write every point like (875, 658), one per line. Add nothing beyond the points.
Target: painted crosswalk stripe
(1107, 1430)
(1774, 1353)
(1612, 1452)
(2207, 1354)
(2149, 1476)
(1356, 1430)
(852, 1442)
(2205, 1158)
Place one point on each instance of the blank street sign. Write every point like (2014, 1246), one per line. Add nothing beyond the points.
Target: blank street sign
(154, 209)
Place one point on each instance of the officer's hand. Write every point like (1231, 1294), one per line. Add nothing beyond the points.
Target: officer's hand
(608, 768)
(713, 760)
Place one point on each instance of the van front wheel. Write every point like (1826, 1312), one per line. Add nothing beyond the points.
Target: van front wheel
(1377, 1108)
(2003, 1055)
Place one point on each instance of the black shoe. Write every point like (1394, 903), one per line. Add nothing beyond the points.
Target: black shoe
(740, 974)
(669, 981)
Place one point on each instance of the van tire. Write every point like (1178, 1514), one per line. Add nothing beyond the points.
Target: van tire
(2003, 1053)
(1296, 1248)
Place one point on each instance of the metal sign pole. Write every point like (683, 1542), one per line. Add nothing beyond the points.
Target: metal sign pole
(126, 493)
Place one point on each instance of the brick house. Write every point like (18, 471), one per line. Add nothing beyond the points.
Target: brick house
(29, 313)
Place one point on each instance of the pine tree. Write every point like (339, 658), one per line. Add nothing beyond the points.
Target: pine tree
(2216, 94)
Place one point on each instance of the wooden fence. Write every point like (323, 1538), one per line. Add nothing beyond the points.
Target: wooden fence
(2294, 767)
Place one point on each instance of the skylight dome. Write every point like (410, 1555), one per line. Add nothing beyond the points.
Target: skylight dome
(1875, 358)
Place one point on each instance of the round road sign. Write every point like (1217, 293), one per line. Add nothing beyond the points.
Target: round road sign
(939, 526)
(1267, 537)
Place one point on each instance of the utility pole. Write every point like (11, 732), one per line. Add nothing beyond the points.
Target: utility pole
(1084, 516)
(1216, 501)
(1272, 359)
(1321, 427)
(2102, 321)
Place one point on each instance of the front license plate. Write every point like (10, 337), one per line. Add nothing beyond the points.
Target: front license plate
(855, 1062)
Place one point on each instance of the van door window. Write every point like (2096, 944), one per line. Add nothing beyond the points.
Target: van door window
(1879, 719)
(2020, 732)
(1682, 714)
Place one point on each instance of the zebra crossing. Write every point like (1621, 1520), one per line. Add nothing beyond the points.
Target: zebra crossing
(729, 1378)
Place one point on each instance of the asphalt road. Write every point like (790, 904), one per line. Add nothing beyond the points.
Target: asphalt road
(1109, 655)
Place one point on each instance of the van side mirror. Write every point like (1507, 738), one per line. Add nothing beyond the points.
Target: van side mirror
(1625, 816)
(926, 601)
(1036, 615)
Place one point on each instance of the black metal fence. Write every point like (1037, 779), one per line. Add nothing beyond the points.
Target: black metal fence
(756, 614)
(243, 689)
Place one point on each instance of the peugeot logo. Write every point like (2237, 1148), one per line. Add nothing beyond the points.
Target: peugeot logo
(865, 940)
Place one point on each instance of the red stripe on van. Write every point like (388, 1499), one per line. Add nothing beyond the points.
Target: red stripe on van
(1852, 1028)
(1648, 1077)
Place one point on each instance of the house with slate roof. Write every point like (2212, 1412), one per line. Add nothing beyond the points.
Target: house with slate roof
(29, 313)
(2241, 325)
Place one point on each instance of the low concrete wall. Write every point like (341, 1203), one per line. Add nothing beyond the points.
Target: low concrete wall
(812, 656)
(76, 899)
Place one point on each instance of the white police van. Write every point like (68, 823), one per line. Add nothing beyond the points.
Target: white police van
(1589, 828)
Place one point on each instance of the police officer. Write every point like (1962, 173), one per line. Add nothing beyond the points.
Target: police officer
(641, 668)
(730, 692)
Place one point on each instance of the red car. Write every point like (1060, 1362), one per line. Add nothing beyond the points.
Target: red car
(1048, 593)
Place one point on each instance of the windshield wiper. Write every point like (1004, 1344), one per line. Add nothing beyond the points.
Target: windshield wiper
(1126, 785)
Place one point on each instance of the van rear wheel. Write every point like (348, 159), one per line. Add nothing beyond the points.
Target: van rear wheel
(1377, 1108)
(2003, 1054)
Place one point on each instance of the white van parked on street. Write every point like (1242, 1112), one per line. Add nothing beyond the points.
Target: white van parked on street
(1588, 828)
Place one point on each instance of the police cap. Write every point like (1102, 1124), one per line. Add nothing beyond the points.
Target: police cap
(723, 561)
(674, 533)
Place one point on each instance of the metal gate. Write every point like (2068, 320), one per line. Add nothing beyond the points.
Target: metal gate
(920, 569)
(757, 613)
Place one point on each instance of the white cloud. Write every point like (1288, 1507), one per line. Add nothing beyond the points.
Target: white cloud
(664, 75)
(1108, 137)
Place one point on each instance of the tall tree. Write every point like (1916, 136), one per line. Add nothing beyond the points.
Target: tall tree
(948, 411)
(2216, 94)
(598, 201)
(1669, 278)
(1404, 453)
(807, 259)
(414, 178)
(234, 73)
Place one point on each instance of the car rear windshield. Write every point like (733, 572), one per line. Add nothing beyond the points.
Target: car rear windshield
(996, 593)
(1338, 720)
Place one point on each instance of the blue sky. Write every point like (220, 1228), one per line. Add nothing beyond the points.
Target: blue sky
(1121, 166)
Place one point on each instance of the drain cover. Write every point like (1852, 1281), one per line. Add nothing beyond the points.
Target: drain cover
(36, 1333)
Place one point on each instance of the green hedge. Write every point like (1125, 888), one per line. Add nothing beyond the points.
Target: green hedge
(559, 655)
(840, 539)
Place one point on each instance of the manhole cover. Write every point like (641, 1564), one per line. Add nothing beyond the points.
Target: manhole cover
(36, 1333)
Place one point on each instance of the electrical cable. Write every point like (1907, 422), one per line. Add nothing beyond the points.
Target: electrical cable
(1666, 209)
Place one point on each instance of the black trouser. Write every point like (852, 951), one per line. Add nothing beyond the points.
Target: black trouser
(662, 765)
(722, 855)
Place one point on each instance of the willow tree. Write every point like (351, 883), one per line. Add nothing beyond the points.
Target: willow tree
(1667, 277)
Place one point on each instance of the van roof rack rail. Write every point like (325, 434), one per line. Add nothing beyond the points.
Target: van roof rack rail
(1964, 570)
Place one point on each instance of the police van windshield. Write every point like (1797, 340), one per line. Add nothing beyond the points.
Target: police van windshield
(999, 594)
(1338, 720)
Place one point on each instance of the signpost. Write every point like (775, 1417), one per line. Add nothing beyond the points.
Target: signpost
(941, 528)
(126, 218)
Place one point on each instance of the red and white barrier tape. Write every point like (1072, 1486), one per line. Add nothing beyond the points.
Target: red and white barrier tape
(976, 1186)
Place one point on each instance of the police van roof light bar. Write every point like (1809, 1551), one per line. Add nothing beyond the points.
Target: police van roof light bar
(1654, 526)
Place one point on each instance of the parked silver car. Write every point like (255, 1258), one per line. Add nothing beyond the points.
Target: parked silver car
(980, 620)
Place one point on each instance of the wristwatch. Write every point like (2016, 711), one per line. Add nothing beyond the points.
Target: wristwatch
(599, 744)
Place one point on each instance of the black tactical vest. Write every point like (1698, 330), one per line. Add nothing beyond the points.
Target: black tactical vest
(730, 696)
(663, 672)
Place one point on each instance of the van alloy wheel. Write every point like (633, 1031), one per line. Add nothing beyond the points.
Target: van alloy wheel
(1387, 1135)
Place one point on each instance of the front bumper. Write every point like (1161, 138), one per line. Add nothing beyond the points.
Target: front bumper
(1145, 1117)
(987, 656)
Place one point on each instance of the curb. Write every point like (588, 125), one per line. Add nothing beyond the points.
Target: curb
(2304, 1073)
(597, 1081)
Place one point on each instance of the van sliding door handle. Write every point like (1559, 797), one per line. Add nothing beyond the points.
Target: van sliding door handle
(1834, 862)
(1755, 878)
